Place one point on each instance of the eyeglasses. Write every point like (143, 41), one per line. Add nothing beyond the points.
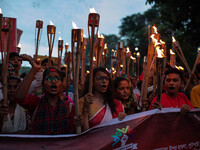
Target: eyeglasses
(50, 78)
(102, 78)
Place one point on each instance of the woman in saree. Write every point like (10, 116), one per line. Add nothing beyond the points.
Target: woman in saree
(102, 106)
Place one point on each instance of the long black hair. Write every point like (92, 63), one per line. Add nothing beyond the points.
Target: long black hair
(108, 94)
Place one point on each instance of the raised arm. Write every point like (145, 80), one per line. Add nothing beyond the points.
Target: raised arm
(22, 89)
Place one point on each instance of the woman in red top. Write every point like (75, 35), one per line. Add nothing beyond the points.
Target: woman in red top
(102, 107)
(51, 115)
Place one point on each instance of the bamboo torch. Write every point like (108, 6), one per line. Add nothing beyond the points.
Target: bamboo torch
(83, 50)
(77, 37)
(106, 54)
(60, 50)
(38, 31)
(177, 47)
(18, 48)
(193, 70)
(149, 62)
(160, 70)
(67, 62)
(6, 26)
(128, 55)
(133, 65)
(172, 58)
(138, 60)
(120, 47)
(144, 76)
(51, 32)
(93, 23)
(99, 51)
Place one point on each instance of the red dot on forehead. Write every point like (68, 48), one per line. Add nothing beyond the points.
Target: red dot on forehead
(53, 70)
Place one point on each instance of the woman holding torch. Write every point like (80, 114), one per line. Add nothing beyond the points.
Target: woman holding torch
(103, 106)
(51, 115)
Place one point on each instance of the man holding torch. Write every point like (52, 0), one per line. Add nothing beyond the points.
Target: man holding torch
(172, 98)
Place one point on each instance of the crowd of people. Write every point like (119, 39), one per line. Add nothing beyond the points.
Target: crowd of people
(38, 102)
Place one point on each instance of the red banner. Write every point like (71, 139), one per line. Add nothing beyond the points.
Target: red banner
(160, 130)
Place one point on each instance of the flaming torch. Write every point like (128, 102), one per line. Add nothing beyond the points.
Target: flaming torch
(113, 57)
(128, 55)
(138, 59)
(38, 31)
(51, 32)
(6, 26)
(67, 62)
(105, 54)
(18, 48)
(177, 47)
(172, 58)
(193, 70)
(93, 22)
(83, 50)
(120, 47)
(77, 37)
(60, 50)
(160, 70)
(133, 65)
(100, 47)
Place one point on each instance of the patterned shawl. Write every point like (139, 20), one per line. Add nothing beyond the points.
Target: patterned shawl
(46, 122)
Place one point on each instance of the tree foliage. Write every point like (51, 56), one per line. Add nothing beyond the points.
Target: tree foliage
(180, 17)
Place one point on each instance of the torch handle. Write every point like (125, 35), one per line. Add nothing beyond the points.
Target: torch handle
(76, 81)
(37, 43)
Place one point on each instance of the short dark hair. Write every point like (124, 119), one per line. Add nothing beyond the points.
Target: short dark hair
(174, 70)
(14, 77)
(46, 61)
(13, 54)
(48, 70)
(117, 81)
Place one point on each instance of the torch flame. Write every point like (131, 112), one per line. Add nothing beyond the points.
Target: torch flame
(160, 52)
(74, 25)
(19, 45)
(92, 10)
(101, 36)
(51, 23)
(133, 58)
(105, 46)
(94, 59)
(155, 30)
(179, 67)
(138, 54)
(127, 50)
(173, 39)
(60, 39)
(121, 66)
(67, 44)
(171, 52)
(162, 42)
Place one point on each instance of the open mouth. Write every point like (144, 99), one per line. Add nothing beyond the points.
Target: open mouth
(53, 87)
(104, 87)
(171, 88)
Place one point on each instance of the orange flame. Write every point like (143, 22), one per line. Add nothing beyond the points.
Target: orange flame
(171, 52)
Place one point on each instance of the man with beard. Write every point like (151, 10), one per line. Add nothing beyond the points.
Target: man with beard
(172, 98)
